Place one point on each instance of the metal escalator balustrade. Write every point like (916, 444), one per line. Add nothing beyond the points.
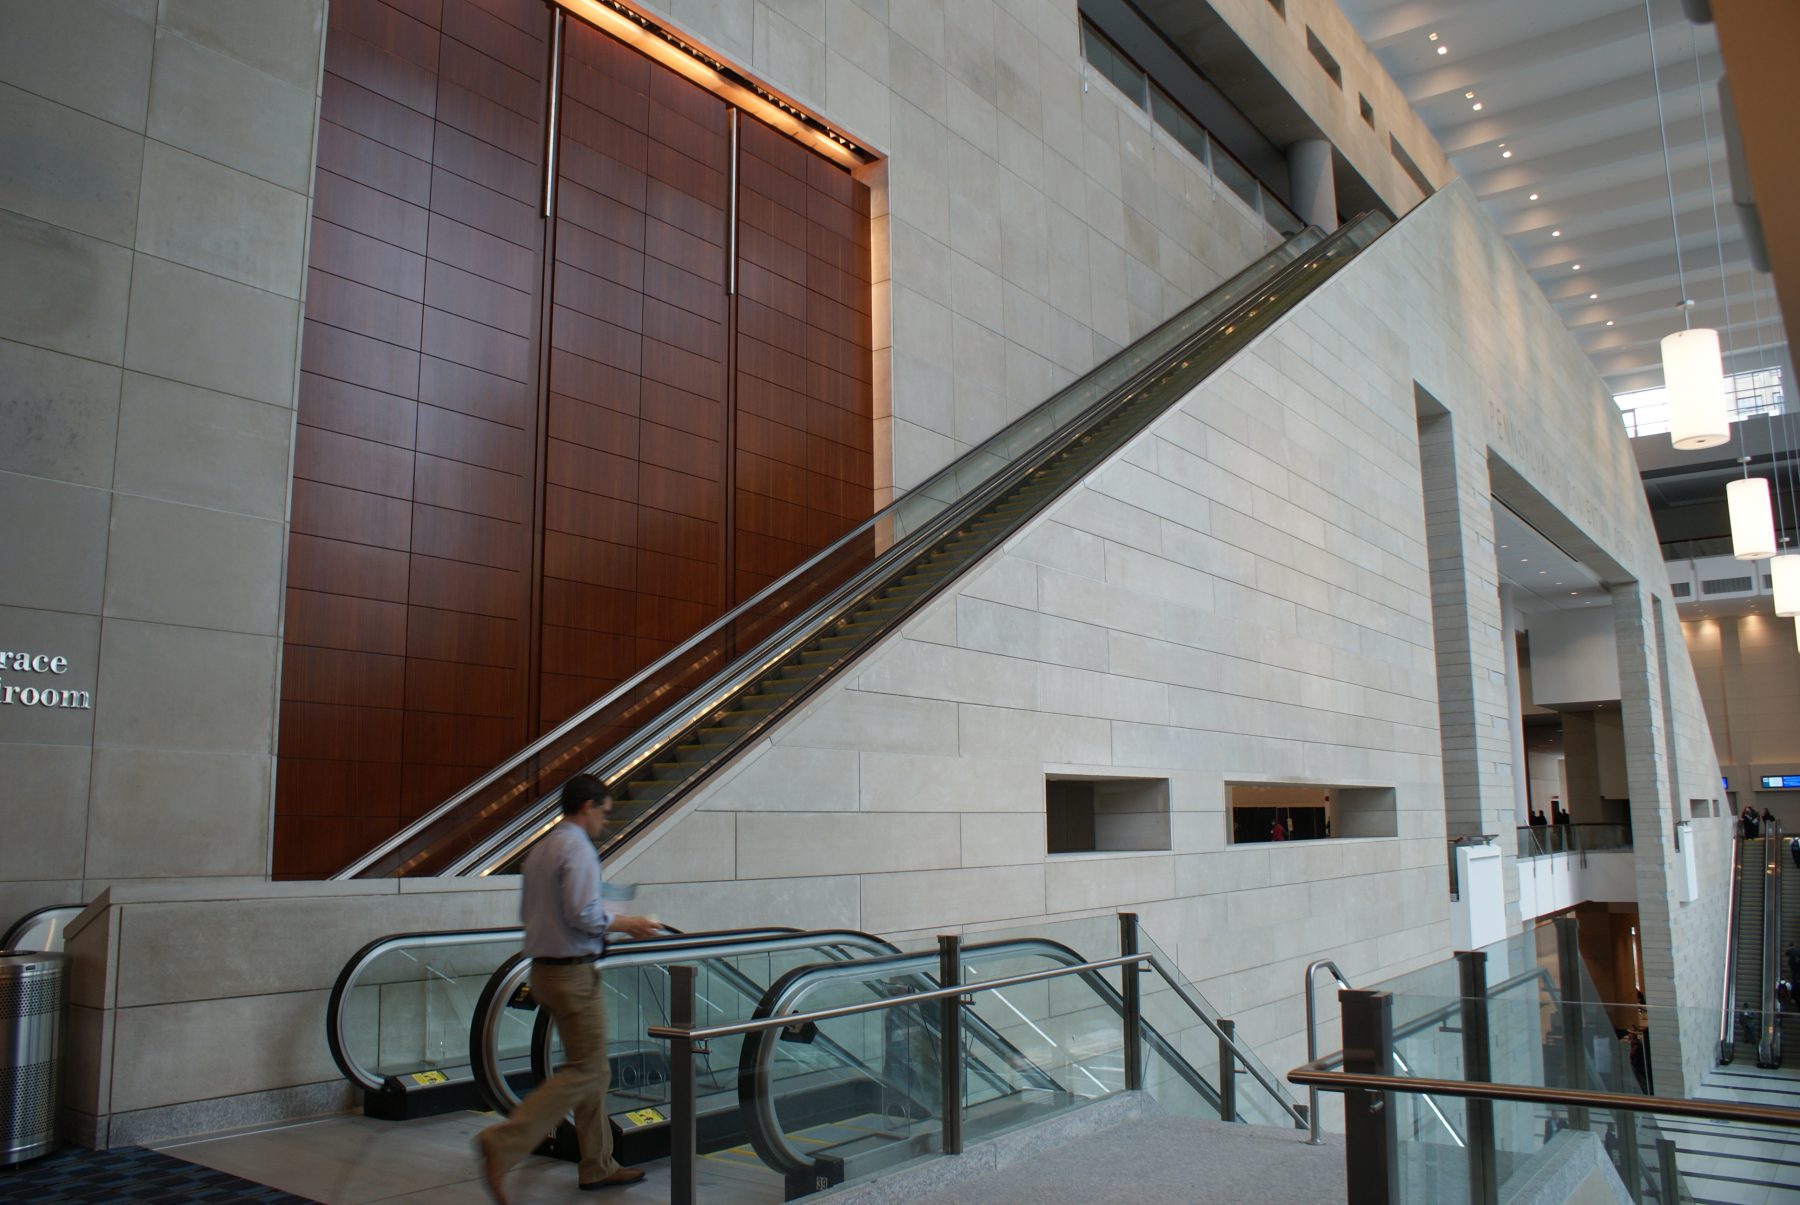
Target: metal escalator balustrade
(41, 930)
(659, 735)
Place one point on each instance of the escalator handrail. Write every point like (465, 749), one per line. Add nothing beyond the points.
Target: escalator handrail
(1768, 1050)
(756, 1102)
(1728, 989)
(24, 922)
(1268, 264)
(358, 962)
(490, 1006)
(337, 1003)
(512, 837)
(1250, 1063)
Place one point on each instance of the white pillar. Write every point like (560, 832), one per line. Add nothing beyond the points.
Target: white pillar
(1510, 627)
(1312, 187)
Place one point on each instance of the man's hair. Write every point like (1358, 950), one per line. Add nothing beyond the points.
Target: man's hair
(581, 789)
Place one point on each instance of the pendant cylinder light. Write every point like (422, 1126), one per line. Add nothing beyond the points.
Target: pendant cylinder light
(1695, 375)
(1752, 519)
(1785, 570)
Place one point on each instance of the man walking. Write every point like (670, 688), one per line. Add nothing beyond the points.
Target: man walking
(566, 923)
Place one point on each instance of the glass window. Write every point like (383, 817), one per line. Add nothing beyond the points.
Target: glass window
(1236, 177)
(1173, 118)
(1120, 71)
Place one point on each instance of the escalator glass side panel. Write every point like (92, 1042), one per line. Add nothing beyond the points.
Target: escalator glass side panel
(401, 1007)
(513, 1044)
(512, 805)
(1030, 1051)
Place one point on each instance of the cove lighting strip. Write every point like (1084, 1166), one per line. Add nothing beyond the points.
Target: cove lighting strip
(720, 78)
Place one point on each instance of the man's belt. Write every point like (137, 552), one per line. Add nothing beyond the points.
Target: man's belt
(573, 961)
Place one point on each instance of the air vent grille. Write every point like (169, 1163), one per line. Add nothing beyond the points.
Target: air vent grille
(1726, 585)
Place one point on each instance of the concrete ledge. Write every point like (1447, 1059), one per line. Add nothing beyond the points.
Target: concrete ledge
(1571, 1170)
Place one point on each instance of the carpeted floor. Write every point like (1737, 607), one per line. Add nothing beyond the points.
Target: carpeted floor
(79, 1177)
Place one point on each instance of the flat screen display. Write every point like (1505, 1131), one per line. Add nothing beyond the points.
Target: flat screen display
(1781, 782)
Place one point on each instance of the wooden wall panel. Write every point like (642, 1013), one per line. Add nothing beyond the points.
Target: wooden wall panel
(805, 392)
(636, 414)
(533, 456)
(409, 599)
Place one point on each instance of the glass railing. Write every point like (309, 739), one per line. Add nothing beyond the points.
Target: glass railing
(1537, 840)
(1024, 1031)
(1517, 1074)
(482, 828)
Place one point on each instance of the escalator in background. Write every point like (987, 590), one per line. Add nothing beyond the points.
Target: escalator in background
(1746, 969)
(1790, 933)
(1753, 954)
(658, 736)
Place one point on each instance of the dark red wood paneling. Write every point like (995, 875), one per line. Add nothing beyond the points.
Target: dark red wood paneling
(804, 388)
(409, 595)
(636, 416)
(467, 485)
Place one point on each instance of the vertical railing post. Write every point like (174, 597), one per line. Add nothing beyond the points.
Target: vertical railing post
(1631, 1159)
(1477, 1050)
(682, 1131)
(1134, 1017)
(950, 1057)
(1227, 1070)
(1371, 1137)
(1574, 1031)
(1668, 1174)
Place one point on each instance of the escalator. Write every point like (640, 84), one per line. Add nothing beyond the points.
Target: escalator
(797, 1109)
(1754, 950)
(400, 1016)
(657, 737)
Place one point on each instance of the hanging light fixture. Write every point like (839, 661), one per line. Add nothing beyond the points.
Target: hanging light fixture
(1785, 569)
(1752, 519)
(1693, 370)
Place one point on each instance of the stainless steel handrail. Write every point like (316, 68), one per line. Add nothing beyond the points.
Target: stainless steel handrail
(1229, 1040)
(685, 650)
(1768, 1050)
(1316, 1074)
(1728, 986)
(706, 1033)
(1312, 1057)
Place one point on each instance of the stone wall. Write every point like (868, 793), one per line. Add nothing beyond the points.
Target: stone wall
(1242, 594)
(155, 167)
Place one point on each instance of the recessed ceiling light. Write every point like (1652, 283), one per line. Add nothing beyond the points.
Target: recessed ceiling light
(1468, 96)
(1534, 196)
(1593, 297)
(1443, 50)
(1574, 267)
(1556, 234)
(1506, 154)
(1609, 322)
(1433, 36)
(1476, 106)
(1541, 573)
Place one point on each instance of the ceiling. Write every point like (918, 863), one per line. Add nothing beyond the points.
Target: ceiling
(1567, 86)
(1543, 576)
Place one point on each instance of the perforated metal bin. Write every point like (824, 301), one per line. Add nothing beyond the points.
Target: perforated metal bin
(32, 990)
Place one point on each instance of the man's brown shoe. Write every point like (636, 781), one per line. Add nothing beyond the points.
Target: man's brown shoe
(493, 1173)
(625, 1175)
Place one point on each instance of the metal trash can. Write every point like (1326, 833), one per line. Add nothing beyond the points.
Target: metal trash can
(32, 990)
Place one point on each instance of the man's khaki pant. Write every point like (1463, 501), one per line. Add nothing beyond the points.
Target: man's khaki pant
(572, 994)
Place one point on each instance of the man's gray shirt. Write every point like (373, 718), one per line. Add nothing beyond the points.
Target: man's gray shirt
(561, 907)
